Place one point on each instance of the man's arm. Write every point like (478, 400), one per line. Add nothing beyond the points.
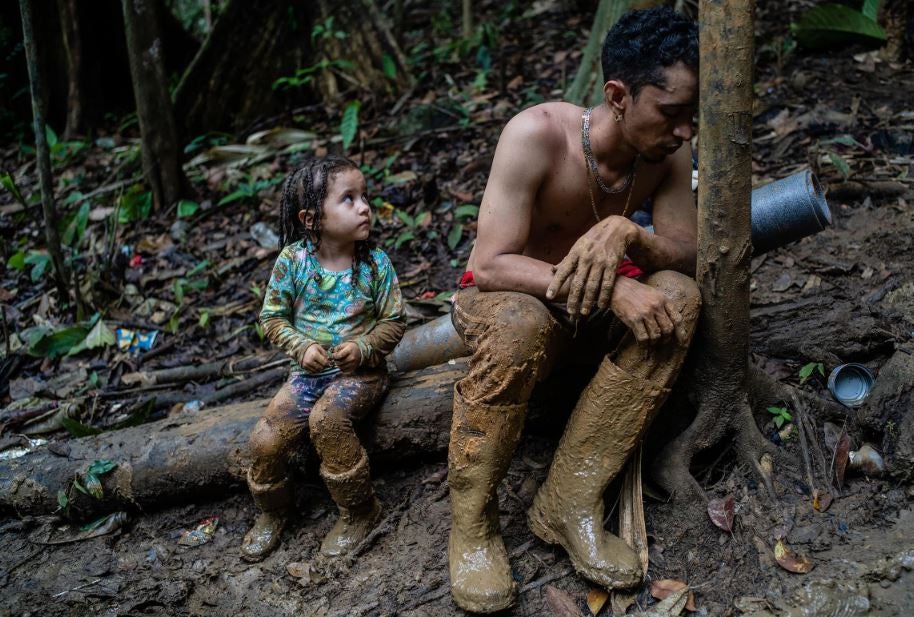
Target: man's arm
(674, 243)
(520, 165)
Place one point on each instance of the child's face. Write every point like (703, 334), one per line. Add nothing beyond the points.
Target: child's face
(347, 214)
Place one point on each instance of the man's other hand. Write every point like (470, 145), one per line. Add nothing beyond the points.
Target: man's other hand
(348, 356)
(646, 311)
(591, 265)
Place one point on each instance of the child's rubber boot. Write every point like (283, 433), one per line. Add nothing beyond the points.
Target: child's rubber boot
(359, 508)
(603, 430)
(274, 501)
(483, 440)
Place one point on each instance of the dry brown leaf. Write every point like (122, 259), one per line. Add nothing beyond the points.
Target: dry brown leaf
(561, 603)
(596, 599)
(662, 589)
(790, 561)
(722, 512)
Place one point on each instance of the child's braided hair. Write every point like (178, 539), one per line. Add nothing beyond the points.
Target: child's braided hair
(306, 189)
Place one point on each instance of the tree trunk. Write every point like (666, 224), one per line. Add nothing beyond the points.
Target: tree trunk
(896, 15)
(44, 156)
(587, 87)
(368, 47)
(229, 83)
(205, 453)
(718, 371)
(72, 42)
(160, 151)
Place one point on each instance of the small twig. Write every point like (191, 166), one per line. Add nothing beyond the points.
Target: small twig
(78, 587)
(545, 580)
(804, 447)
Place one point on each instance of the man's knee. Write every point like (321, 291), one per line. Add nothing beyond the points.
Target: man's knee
(681, 290)
(521, 328)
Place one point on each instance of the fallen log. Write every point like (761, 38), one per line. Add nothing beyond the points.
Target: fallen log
(194, 455)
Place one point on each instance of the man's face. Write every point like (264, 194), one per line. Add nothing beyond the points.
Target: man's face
(660, 119)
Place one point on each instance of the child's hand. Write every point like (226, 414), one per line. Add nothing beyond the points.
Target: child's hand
(315, 359)
(348, 356)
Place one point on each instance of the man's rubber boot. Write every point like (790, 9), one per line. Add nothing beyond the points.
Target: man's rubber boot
(274, 501)
(359, 509)
(483, 440)
(605, 426)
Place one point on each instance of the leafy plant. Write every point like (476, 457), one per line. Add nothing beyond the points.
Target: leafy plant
(7, 182)
(305, 76)
(247, 189)
(186, 208)
(349, 125)
(326, 30)
(781, 415)
(807, 371)
(461, 214)
(835, 24)
(134, 205)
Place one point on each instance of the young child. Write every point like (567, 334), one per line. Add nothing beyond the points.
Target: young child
(334, 305)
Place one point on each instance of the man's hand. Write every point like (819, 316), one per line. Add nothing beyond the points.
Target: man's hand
(592, 263)
(315, 358)
(348, 356)
(646, 311)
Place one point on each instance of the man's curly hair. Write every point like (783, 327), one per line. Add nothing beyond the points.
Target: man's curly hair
(643, 43)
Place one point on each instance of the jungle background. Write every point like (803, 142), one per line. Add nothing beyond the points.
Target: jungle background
(131, 298)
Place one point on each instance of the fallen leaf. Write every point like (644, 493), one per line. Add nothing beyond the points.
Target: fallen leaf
(671, 606)
(783, 283)
(300, 570)
(821, 501)
(596, 599)
(790, 561)
(561, 603)
(662, 589)
(621, 601)
(722, 511)
(842, 455)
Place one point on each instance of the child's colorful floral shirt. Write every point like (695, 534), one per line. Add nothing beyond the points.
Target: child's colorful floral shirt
(306, 304)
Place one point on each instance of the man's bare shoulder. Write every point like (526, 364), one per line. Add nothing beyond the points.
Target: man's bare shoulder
(542, 126)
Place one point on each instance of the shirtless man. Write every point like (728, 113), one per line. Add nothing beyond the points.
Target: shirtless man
(553, 228)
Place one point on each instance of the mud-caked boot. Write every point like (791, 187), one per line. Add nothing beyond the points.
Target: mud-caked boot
(605, 426)
(483, 440)
(359, 508)
(274, 501)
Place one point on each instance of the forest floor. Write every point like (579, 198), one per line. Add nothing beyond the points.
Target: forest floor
(846, 294)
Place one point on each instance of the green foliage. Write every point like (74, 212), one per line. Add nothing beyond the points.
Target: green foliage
(326, 30)
(8, 183)
(870, 9)
(69, 340)
(74, 225)
(389, 67)
(247, 189)
(62, 152)
(349, 125)
(305, 76)
(186, 208)
(781, 415)
(829, 24)
(39, 260)
(134, 205)
(809, 369)
(78, 429)
(840, 164)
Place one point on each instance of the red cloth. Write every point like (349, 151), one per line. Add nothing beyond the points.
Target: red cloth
(627, 269)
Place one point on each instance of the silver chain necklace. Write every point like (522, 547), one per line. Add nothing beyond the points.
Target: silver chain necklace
(592, 163)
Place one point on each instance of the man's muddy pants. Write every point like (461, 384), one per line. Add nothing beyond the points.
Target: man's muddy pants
(516, 340)
(326, 407)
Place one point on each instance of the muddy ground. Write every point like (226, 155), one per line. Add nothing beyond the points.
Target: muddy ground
(853, 282)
